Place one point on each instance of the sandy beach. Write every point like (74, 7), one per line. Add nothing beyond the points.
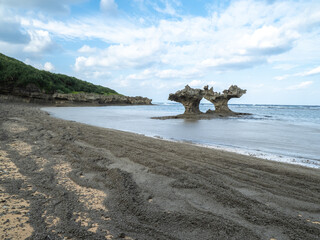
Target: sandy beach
(65, 180)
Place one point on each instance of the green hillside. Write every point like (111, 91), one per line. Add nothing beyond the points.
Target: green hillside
(17, 75)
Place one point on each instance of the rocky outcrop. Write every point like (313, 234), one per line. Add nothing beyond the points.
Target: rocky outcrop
(33, 94)
(100, 99)
(190, 99)
(220, 100)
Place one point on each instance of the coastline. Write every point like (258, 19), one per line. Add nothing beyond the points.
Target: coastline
(68, 100)
(239, 135)
(249, 153)
(81, 181)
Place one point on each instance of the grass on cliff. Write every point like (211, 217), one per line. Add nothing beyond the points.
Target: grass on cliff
(17, 75)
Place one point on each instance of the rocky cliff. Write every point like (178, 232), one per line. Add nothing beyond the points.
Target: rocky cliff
(33, 94)
(100, 99)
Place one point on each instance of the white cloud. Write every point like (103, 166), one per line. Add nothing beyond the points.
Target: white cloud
(265, 39)
(48, 66)
(311, 72)
(232, 62)
(87, 49)
(300, 85)
(40, 42)
(95, 75)
(122, 56)
(269, 40)
(166, 74)
(201, 83)
(283, 77)
(178, 74)
(108, 6)
(196, 83)
(162, 85)
(167, 9)
(243, 36)
(284, 66)
(121, 82)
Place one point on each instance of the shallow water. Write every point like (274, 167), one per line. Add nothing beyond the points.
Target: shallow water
(276, 132)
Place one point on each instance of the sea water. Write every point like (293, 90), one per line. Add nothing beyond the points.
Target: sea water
(276, 132)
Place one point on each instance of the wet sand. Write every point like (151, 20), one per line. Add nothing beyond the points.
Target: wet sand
(65, 180)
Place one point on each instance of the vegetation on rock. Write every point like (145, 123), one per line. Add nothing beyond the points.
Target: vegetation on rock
(17, 75)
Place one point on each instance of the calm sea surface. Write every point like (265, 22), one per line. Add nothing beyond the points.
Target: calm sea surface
(275, 132)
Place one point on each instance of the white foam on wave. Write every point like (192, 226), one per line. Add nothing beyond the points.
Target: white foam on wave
(269, 156)
(258, 154)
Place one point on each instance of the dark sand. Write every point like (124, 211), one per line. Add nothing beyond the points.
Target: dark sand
(65, 180)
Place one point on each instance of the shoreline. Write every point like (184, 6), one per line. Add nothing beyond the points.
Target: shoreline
(75, 100)
(81, 181)
(265, 155)
(240, 151)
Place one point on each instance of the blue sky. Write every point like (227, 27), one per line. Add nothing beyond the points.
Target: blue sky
(153, 48)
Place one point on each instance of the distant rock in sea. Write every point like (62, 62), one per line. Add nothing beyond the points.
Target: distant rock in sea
(220, 100)
(190, 98)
